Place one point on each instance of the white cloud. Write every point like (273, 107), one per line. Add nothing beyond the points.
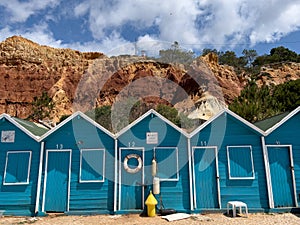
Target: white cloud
(81, 9)
(238, 22)
(196, 23)
(151, 45)
(113, 45)
(174, 19)
(39, 34)
(276, 21)
(156, 24)
(20, 11)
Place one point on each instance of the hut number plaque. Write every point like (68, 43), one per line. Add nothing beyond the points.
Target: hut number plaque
(152, 138)
(8, 136)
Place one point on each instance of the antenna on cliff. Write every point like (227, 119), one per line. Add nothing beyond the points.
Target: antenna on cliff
(143, 53)
(135, 47)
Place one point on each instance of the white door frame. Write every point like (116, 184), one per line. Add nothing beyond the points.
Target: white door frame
(45, 178)
(142, 149)
(292, 170)
(215, 148)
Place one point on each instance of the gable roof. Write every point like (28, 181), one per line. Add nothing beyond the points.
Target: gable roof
(31, 129)
(151, 111)
(36, 129)
(225, 110)
(271, 121)
(282, 121)
(85, 117)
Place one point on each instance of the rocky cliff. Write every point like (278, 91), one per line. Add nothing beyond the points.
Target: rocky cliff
(123, 80)
(278, 73)
(81, 81)
(27, 69)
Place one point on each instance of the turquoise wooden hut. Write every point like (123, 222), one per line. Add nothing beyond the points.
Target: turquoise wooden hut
(152, 148)
(78, 168)
(282, 151)
(228, 163)
(19, 165)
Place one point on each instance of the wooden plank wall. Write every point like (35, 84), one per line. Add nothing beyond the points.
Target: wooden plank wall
(289, 134)
(19, 199)
(175, 194)
(228, 131)
(77, 134)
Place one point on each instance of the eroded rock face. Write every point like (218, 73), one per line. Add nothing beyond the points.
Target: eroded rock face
(82, 81)
(230, 83)
(121, 79)
(27, 69)
(278, 73)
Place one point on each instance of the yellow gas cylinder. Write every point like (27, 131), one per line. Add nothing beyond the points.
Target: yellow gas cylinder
(151, 202)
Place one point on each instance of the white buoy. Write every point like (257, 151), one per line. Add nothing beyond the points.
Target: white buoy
(154, 167)
(156, 186)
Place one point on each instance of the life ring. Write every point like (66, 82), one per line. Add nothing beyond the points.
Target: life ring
(136, 169)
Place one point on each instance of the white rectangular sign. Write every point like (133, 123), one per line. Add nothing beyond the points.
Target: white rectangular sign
(152, 137)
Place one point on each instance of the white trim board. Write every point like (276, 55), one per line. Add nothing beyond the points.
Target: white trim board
(142, 149)
(69, 176)
(11, 120)
(290, 115)
(293, 172)
(190, 174)
(177, 163)
(215, 148)
(103, 165)
(228, 162)
(268, 174)
(225, 110)
(28, 169)
(74, 115)
(151, 111)
(39, 180)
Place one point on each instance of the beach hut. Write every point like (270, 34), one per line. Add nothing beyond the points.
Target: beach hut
(78, 167)
(227, 163)
(19, 165)
(152, 155)
(282, 150)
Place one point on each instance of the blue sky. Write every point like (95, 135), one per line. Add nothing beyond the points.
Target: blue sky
(113, 26)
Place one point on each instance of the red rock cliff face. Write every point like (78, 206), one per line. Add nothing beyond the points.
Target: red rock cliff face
(82, 81)
(27, 69)
(278, 73)
(121, 79)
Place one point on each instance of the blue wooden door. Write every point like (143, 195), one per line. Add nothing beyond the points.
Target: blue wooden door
(57, 181)
(206, 177)
(132, 191)
(281, 176)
